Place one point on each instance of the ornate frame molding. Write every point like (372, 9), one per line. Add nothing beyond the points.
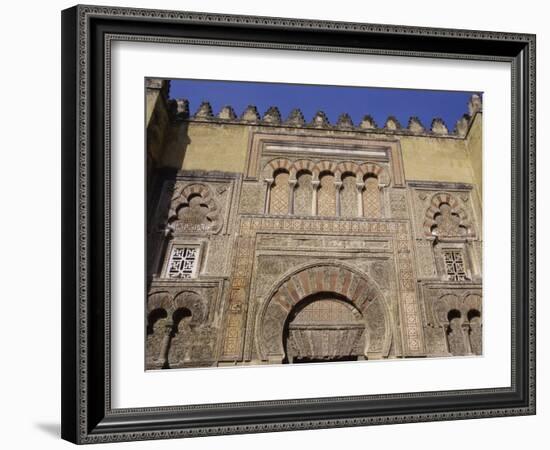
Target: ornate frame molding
(87, 34)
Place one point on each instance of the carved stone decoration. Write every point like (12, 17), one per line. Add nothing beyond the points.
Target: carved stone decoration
(445, 218)
(415, 125)
(375, 170)
(448, 302)
(158, 326)
(398, 205)
(454, 265)
(348, 196)
(439, 127)
(182, 339)
(324, 328)
(359, 304)
(320, 120)
(380, 270)
(326, 197)
(227, 113)
(371, 198)
(456, 337)
(272, 116)
(194, 210)
(425, 255)
(194, 303)
(295, 118)
(460, 317)
(344, 121)
(368, 123)
(274, 166)
(447, 224)
(436, 340)
(252, 198)
(279, 194)
(476, 335)
(303, 194)
(192, 345)
(250, 114)
(218, 256)
(392, 124)
(166, 315)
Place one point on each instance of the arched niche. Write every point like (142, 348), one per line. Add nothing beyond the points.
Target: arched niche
(332, 280)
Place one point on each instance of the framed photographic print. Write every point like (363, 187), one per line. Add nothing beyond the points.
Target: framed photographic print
(283, 224)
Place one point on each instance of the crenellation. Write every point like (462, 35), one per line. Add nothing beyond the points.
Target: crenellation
(204, 111)
(438, 127)
(415, 125)
(296, 119)
(272, 116)
(392, 124)
(250, 114)
(227, 113)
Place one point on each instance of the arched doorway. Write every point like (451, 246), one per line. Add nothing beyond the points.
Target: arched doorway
(324, 327)
(285, 320)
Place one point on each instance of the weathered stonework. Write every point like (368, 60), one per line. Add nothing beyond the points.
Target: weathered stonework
(302, 241)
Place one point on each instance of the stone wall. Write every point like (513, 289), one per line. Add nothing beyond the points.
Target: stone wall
(274, 241)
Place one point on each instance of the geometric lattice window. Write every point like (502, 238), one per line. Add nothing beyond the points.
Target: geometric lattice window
(183, 262)
(279, 194)
(348, 197)
(454, 265)
(326, 198)
(324, 311)
(303, 195)
(371, 199)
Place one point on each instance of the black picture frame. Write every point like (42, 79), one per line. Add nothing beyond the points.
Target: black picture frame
(87, 32)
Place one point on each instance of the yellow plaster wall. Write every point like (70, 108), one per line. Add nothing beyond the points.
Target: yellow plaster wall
(207, 146)
(474, 148)
(223, 147)
(436, 159)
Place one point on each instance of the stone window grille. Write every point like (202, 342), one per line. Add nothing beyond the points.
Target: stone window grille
(454, 265)
(183, 262)
(371, 198)
(279, 198)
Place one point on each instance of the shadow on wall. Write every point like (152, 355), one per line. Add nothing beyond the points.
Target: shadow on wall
(52, 429)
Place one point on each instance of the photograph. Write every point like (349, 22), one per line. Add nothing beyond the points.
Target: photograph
(302, 223)
(296, 221)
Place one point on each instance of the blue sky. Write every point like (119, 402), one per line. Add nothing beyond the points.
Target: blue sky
(333, 100)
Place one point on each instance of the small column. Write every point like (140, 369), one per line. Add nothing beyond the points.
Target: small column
(185, 329)
(268, 182)
(360, 187)
(291, 187)
(382, 210)
(466, 334)
(337, 189)
(163, 355)
(315, 187)
(446, 328)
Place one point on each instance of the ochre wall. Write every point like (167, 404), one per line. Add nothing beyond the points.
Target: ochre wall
(208, 146)
(474, 148)
(214, 146)
(435, 159)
